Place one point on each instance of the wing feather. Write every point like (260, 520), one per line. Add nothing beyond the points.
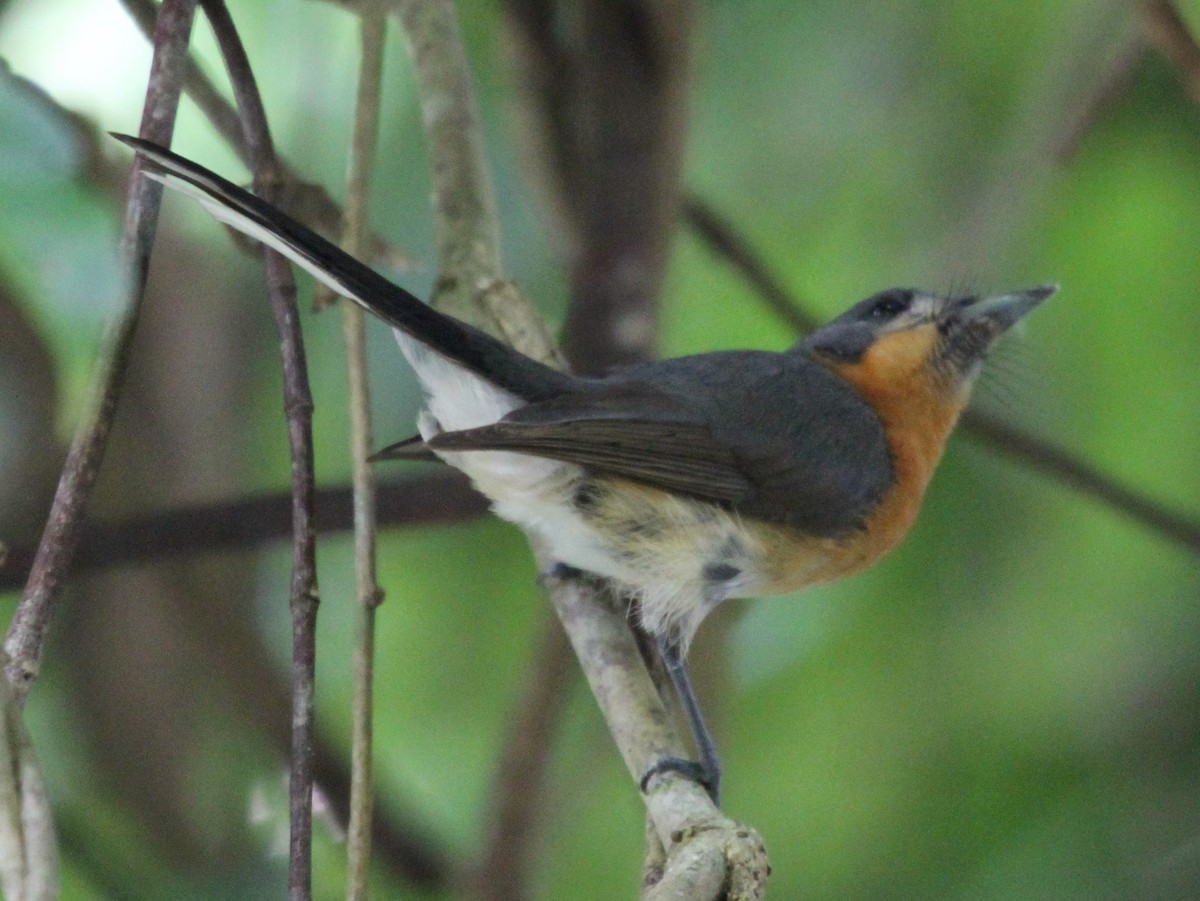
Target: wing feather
(679, 457)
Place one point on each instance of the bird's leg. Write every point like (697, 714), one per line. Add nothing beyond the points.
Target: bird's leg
(709, 774)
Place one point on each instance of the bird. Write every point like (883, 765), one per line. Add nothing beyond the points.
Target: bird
(687, 481)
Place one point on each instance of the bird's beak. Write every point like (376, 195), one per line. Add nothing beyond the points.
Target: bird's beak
(970, 327)
(999, 314)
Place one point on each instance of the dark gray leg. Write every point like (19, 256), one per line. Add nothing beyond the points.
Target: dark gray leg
(707, 772)
(710, 761)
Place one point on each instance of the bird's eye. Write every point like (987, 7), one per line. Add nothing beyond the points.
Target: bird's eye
(889, 305)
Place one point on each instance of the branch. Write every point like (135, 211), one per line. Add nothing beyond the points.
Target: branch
(706, 851)
(28, 850)
(604, 96)
(308, 202)
(604, 88)
(518, 787)
(1058, 464)
(372, 31)
(297, 402)
(727, 243)
(25, 641)
(464, 207)
(1165, 29)
(469, 262)
(1113, 82)
(724, 241)
(437, 497)
(400, 840)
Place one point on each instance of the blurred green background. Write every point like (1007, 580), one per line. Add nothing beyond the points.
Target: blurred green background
(1007, 708)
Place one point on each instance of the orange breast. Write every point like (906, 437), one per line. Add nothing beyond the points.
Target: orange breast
(917, 413)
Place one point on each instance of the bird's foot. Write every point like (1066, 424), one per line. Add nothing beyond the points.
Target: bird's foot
(689, 769)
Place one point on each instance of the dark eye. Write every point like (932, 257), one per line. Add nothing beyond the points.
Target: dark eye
(889, 304)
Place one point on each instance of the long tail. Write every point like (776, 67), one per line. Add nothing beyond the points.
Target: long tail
(477, 351)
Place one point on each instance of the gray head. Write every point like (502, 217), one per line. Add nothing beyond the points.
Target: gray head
(901, 334)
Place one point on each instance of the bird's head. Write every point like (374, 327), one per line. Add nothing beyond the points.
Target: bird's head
(900, 340)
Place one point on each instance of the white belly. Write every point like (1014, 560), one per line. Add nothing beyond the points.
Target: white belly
(654, 545)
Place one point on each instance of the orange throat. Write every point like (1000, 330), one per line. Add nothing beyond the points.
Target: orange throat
(918, 413)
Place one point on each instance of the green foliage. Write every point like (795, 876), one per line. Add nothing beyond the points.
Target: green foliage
(1005, 708)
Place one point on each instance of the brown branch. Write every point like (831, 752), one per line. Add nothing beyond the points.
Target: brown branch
(604, 91)
(469, 269)
(372, 31)
(724, 241)
(520, 779)
(297, 403)
(399, 840)
(25, 641)
(28, 850)
(240, 525)
(1073, 472)
(1112, 83)
(308, 202)
(220, 112)
(1159, 26)
(1165, 29)
(727, 243)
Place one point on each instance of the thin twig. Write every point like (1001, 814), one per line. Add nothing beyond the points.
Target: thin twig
(281, 290)
(723, 240)
(1112, 83)
(726, 242)
(604, 97)
(1168, 32)
(436, 497)
(306, 201)
(372, 30)
(220, 112)
(1073, 472)
(469, 260)
(28, 850)
(403, 843)
(26, 638)
(464, 205)
(520, 779)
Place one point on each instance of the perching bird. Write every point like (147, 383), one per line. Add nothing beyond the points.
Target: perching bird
(691, 480)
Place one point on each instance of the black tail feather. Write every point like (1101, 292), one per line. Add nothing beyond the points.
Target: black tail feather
(475, 350)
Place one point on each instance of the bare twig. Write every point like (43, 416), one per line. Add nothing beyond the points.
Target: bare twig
(27, 633)
(306, 201)
(706, 851)
(604, 96)
(281, 290)
(401, 842)
(726, 242)
(437, 497)
(469, 259)
(471, 284)
(520, 777)
(219, 111)
(604, 88)
(465, 220)
(1070, 470)
(1165, 29)
(372, 30)
(28, 851)
(1042, 456)
(1112, 83)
